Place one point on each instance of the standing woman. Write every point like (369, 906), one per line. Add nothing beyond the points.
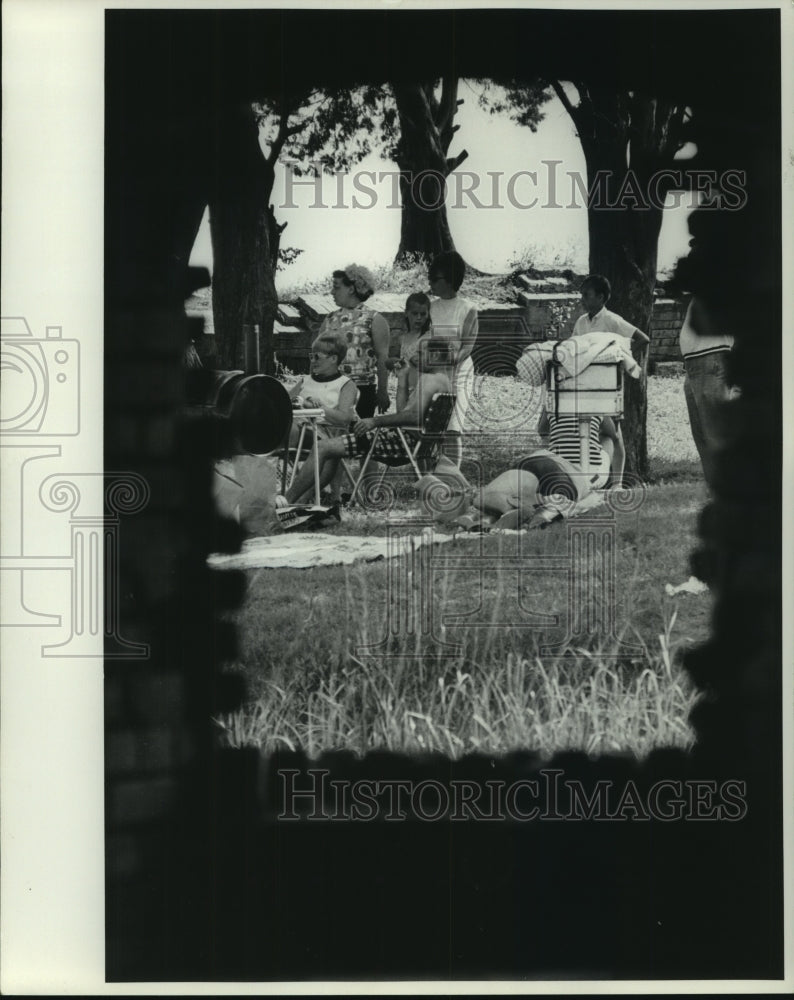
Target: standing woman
(366, 333)
(455, 317)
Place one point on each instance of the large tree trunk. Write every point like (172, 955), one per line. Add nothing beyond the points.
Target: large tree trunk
(426, 132)
(244, 239)
(626, 138)
(623, 247)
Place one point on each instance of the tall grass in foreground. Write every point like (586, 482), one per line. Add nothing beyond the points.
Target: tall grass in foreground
(495, 695)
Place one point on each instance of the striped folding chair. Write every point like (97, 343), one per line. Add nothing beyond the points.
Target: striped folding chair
(419, 447)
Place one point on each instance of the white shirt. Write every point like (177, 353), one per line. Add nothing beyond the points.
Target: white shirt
(604, 321)
(326, 393)
(455, 317)
(694, 343)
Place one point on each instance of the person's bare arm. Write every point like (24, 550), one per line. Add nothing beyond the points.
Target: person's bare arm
(293, 391)
(411, 416)
(608, 429)
(403, 388)
(426, 387)
(381, 338)
(468, 336)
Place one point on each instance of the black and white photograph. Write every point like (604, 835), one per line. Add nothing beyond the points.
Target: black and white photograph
(419, 590)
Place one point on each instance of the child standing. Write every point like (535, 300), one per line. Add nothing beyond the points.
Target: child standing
(417, 322)
(597, 318)
(595, 295)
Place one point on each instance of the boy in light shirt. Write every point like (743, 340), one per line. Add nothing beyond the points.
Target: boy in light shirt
(597, 318)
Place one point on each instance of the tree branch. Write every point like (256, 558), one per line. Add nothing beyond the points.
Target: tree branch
(285, 130)
(572, 111)
(455, 161)
(449, 103)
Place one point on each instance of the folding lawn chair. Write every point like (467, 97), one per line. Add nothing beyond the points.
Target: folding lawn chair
(424, 450)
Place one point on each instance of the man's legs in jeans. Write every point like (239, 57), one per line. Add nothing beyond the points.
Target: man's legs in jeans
(707, 391)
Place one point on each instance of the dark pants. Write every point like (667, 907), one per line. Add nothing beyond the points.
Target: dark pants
(707, 394)
(367, 400)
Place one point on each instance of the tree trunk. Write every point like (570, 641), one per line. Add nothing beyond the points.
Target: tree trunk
(626, 138)
(244, 239)
(423, 234)
(426, 132)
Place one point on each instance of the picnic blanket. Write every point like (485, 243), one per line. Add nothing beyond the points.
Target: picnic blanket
(303, 550)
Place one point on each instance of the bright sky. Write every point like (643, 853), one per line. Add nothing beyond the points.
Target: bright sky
(335, 232)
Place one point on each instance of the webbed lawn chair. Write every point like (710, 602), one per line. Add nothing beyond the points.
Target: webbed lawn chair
(420, 446)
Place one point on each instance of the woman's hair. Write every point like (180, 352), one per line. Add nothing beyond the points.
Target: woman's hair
(333, 345)
(421, 300)
(359, 279)
(449, 266)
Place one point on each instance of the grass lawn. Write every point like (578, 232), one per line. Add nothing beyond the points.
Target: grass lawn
(481, 679)
(477, 677)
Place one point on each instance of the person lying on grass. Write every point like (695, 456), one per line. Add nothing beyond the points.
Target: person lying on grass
(539, 489)
(435, 366)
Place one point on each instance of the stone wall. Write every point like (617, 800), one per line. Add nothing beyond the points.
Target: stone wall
(504, 327)
(666, 322)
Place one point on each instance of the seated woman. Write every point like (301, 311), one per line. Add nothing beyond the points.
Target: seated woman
(434, 361)
(326, 388)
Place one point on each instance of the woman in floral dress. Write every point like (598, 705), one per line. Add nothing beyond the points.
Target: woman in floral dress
(367, 336)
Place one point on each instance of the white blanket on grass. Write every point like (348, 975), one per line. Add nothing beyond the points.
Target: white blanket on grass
(303, 550)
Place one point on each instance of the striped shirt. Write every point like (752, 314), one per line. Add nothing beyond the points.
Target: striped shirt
(564, 438)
